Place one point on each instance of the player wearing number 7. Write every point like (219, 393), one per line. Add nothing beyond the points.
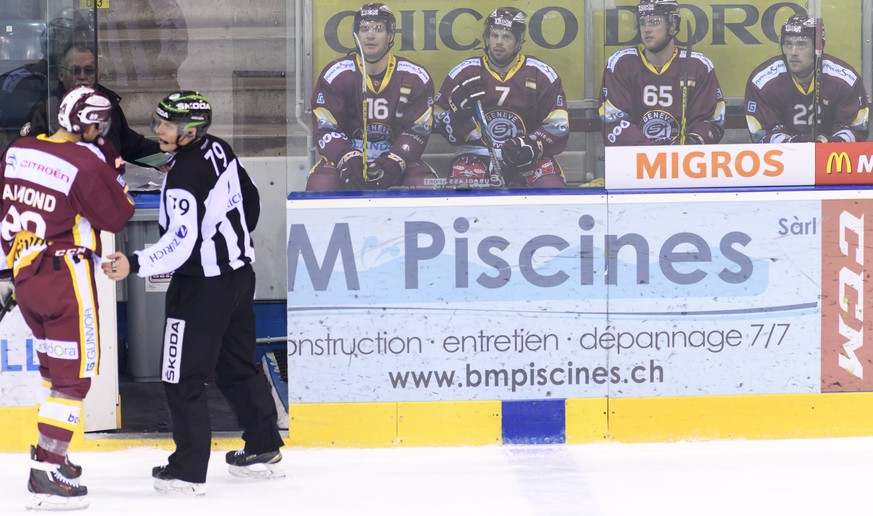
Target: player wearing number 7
(782, 93)
(399, 118)
(524, 109)
(209, 207)
(642, 91)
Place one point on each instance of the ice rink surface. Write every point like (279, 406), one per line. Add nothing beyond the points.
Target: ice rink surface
(778, 477)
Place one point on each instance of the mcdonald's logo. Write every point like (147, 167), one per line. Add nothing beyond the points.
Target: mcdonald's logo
(842, 160)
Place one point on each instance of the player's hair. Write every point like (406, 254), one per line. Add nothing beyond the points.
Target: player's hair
(83, 106)
(189, 110)
(801, 25)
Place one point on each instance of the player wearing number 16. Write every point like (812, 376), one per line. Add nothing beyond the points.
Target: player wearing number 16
(378, 147)
(656, 93)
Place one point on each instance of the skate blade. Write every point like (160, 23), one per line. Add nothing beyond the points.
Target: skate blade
(47, 502)
(258, 471)
(179, 487)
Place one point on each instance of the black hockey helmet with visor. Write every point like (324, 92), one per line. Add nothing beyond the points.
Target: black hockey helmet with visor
(376, 13)
(83, 106)
(803, 26)
(669, 9)
(189, 110)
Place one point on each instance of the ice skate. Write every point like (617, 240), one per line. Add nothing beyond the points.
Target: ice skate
(52, 490)
(165, 482)
(73, 472)
(255, 465)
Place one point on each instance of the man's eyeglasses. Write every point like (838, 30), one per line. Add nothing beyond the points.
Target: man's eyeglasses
(378, 29)
(76, 70)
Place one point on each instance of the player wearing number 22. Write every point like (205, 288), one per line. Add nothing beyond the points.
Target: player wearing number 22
(523, 104)
(641, 100)
(399, 114)
(780, 93)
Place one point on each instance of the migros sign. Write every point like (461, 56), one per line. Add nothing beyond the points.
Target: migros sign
(709, 166)
(844, 163)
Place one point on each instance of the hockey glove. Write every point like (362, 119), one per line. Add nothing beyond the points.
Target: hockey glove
(521, 151)
(386, 171)
(7, 290)
(351, 170)
(465, 95)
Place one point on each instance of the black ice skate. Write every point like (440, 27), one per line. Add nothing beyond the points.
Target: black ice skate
(52, 490)
(72, 471)
(165, 482)
(255, 465)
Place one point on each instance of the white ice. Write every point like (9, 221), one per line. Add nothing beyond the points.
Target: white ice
(778, 477)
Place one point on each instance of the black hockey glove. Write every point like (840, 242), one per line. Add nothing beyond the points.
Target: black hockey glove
(385, 171)
(7, 290)
(521, 151)
(465, 95)
(351, 171)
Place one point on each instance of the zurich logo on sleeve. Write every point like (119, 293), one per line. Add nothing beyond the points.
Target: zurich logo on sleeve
(182, 232)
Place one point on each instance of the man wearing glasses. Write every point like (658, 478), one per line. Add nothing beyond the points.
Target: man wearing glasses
(656, 93)
(781, 93)
(79, 68)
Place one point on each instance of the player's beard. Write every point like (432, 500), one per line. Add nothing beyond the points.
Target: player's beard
(661, 46)
(502, 62)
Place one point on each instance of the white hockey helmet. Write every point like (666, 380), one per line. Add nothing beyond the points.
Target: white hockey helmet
(83, 106)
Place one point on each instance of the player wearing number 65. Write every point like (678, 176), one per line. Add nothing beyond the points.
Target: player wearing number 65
(378, 147)
(656, 93)
(209, 207)
(783, 92)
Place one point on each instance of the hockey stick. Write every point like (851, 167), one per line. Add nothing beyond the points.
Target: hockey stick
(496, 171)
(363, 102)
(816, 96)
(683, 124)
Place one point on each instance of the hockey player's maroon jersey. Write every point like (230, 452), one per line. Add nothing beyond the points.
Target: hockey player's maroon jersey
(779, 109)
(640, 105)
(529, 100)
(399, 118)
(57, 195)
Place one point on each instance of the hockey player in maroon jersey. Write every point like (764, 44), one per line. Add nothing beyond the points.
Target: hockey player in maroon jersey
(524, 108)
(58, 195)
(399, 115)
(641, 100)
(780, 93)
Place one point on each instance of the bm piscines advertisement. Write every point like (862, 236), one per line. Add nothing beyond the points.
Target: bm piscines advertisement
(575, 296)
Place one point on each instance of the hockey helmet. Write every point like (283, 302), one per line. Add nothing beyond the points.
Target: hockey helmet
(506, 18)
(378, 13)
(83, 106)
(801, 25)
(189, 110)
(67, 28)
(669, 9)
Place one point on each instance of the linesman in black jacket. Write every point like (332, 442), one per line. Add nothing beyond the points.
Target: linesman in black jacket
(209, 206)
(78, 68)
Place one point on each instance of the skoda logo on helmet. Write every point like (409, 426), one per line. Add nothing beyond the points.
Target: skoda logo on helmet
(193, 105)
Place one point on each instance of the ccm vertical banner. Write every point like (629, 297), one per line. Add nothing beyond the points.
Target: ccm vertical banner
(552, 296)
